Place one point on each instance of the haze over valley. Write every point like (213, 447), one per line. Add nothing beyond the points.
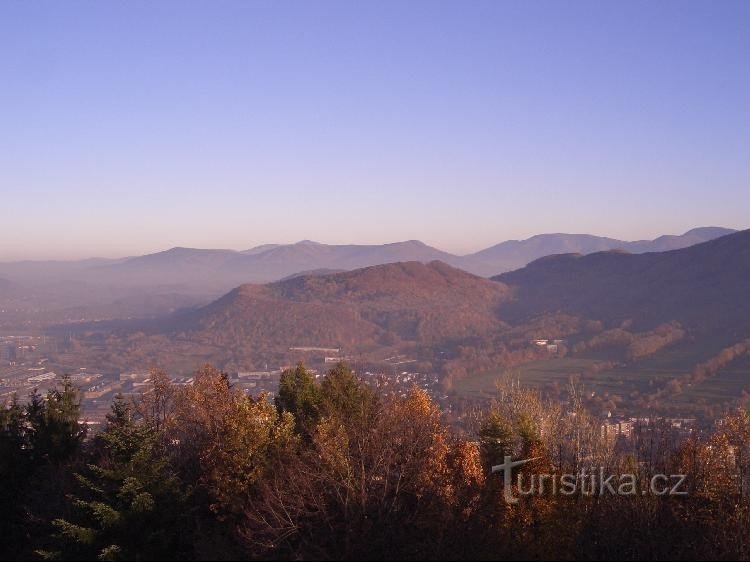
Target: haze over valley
(153, 284)
(647, 324)
(329, 280)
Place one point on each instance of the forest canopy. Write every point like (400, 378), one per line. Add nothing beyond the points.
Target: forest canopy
(334, 468)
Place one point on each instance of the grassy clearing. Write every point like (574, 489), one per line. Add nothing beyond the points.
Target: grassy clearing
(644, 377)
(536, 373)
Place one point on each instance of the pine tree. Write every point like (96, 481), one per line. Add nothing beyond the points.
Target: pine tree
(130, 505)
(345, 396)
(496, 437)
(299, 395)
(55, 431)
(15, 468)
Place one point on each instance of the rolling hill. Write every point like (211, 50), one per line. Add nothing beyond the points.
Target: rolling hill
(406, 305)
(514, 254)
(704, 286)
(659, 332)
(401, 302)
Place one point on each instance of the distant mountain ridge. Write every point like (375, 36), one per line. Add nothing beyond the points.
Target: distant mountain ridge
(214, 271)
(514, 254)
(282, 261)
(313, 272)
(704, 286)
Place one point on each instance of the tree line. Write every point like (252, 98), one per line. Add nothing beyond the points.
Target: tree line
(333, 468)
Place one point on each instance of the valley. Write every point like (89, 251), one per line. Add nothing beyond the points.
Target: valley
(636, 333)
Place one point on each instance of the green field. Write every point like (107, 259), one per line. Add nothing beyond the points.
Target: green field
(727, 385)
(644, 377)
(536, 373)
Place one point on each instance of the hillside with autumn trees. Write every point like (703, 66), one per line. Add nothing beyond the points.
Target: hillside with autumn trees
(398, 307)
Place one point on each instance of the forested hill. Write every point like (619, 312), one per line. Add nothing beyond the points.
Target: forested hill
(705, 287)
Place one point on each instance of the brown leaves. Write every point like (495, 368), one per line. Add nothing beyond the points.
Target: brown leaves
(157, 404)
(231, 437)
(391, 470)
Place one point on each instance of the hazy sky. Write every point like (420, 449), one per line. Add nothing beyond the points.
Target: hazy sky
(128, 127)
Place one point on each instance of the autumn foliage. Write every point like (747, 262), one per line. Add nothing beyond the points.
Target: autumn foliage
(336, 469)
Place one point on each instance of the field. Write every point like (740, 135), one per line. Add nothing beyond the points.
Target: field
(624, 380)
(535, 373)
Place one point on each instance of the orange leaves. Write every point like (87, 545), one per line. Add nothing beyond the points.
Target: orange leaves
(230, 436)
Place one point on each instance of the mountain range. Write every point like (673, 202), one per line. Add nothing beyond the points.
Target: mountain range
(515, 254)
(214, 271)
(703, 287)
(648, 320)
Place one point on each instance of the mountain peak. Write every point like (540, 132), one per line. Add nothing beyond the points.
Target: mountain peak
(413, 278)
(388, 304)
(712, 231)
(182, 250)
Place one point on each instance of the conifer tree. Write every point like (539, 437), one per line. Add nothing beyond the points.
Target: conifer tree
(299, 395)
(130, 505)
(55, 431)
(15, 468)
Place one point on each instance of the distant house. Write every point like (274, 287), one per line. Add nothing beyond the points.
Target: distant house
(333, 359)
(612, 429)
(43, 377)
(253, 375)
(133, 376)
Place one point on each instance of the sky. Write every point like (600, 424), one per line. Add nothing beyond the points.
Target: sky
(131, 127)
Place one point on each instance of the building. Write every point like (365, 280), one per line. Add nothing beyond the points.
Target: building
(49, 376)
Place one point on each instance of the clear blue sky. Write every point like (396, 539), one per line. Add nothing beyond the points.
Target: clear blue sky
(128, 127)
